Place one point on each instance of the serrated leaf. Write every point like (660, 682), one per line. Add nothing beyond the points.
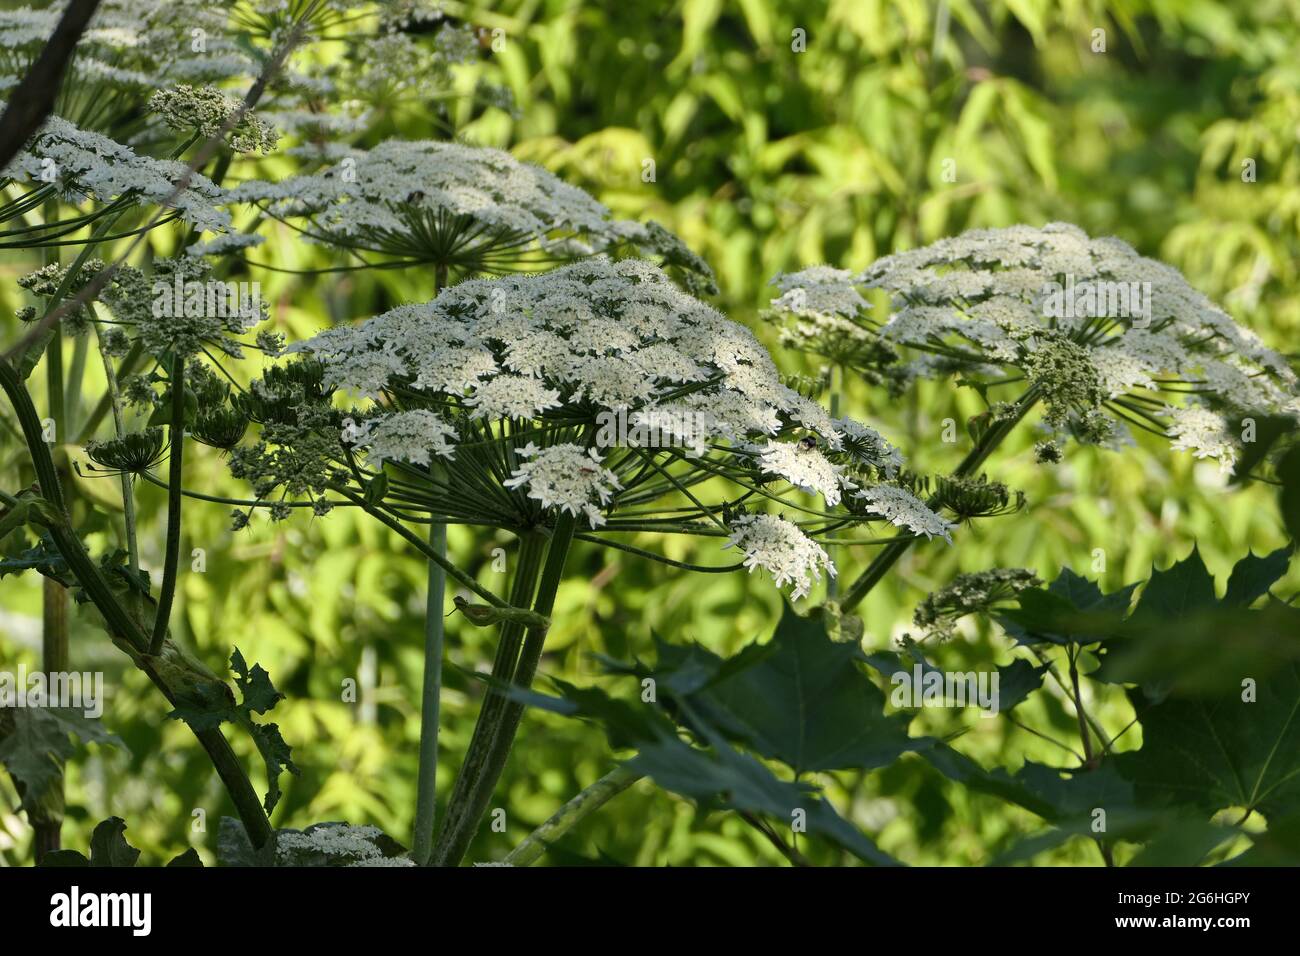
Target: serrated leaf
(807, 703)
(187, 859)
(1176, 592)
(38, 741)
(276, 755)
(1017, 681)
(259, 694)
(43, 557)
(1252, 577)
(1182, 641)
(725, 778)
(1053, 616)
(1220, 752)
(108, 846)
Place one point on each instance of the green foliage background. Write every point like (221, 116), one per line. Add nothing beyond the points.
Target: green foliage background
(765, 159)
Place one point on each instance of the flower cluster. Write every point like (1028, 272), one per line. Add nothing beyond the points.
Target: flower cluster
(1093, 326)
(207, 111)
(979, 591)
(567, 477)
(460, 206)
(782, 550)
(338, 844)
(181, 308)
(88, 164)
(509, 378)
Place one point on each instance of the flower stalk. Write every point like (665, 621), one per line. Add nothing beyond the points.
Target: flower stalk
(516, 662)
(985, 447)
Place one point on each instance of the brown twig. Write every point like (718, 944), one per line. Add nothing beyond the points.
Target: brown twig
(32, 100)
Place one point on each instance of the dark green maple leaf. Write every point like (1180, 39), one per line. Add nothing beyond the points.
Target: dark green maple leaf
(257, 696)
(1071, 610)
(1218, 752)
(35, 741)
(803, 699)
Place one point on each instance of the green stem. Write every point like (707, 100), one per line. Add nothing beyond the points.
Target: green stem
(114, 398)
(176, 451)
(531, 548)
(890, 554)
(1079, 712)
(833, 582)
(46, 815)
(128, 365)
(571, 814)
(119, 622)
(426, 800)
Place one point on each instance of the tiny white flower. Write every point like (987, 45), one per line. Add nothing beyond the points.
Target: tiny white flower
(567, 477)
(414, 436)
(782, 550)
(903, 509)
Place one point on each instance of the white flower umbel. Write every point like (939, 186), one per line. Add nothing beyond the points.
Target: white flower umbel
(782, 550)
(568, 477)
(600, 390)
(804, 467)
(88, 164)
(903, 509)
(1095, 326)
(819, 292)
(471, 208)
(415, 437)
(520, 347)
(1204, 433)
(340, 841)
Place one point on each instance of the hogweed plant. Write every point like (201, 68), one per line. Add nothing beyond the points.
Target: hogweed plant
(566, 383)
(117, 159)
(498, 405)
(1103, 338)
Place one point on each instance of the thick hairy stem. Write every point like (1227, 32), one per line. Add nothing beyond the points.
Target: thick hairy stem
(454, 825)
(426, 799)
(571, 814)
(176, 452)
(119, 621)
(504, 721)
(888, 556)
